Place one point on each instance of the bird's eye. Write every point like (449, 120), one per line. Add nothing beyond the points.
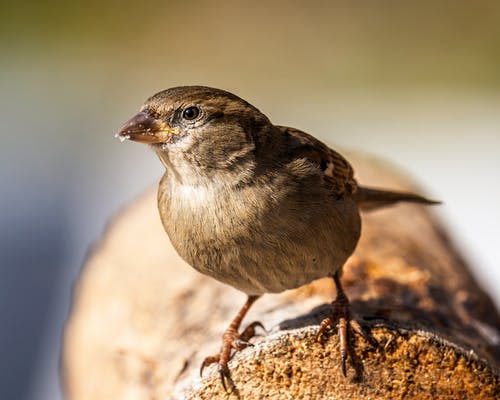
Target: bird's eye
(191, 113)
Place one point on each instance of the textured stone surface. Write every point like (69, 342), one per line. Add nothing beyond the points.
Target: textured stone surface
(143, 320)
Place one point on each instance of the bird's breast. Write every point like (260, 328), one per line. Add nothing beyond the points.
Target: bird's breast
(259, 239)
(193, 197)
(197, 216)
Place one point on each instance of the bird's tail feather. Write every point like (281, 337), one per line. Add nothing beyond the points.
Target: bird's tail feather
(370, 198)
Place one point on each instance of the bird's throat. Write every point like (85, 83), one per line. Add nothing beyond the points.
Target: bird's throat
(188, 170)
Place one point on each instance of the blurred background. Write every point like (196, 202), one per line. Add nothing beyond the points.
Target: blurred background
(417, 83)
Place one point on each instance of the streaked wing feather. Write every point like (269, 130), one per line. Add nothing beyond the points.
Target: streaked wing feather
(337, 172)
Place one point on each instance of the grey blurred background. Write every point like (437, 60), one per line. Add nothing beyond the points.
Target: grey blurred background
(417, 83)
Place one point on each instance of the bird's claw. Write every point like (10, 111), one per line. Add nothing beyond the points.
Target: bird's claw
(341, 317)
(224, 375)
(207, 361)
(249, 331)
(231, 340)
(239, 344)
(223, 369)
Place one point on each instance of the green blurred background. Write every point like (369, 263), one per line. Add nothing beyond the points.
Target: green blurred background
(417, 83)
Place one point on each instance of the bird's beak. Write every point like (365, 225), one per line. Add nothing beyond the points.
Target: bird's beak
(143, 128)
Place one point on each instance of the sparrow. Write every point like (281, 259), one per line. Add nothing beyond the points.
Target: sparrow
(261, 207)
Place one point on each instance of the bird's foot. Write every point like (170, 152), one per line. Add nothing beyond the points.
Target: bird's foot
(341, 316)
(230, 340)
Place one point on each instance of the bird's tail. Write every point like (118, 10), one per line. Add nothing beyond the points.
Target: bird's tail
(370, 198)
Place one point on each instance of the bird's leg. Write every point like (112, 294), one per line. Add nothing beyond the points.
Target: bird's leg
(231, 339)
(341, 314)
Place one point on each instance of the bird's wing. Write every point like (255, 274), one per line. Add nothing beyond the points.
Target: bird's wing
(337, 172)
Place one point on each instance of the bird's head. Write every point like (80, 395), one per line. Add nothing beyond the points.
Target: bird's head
(207, 127)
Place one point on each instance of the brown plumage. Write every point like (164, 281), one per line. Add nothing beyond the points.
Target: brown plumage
(263, 208)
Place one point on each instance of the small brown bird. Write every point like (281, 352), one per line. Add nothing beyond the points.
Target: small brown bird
(261, 207)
